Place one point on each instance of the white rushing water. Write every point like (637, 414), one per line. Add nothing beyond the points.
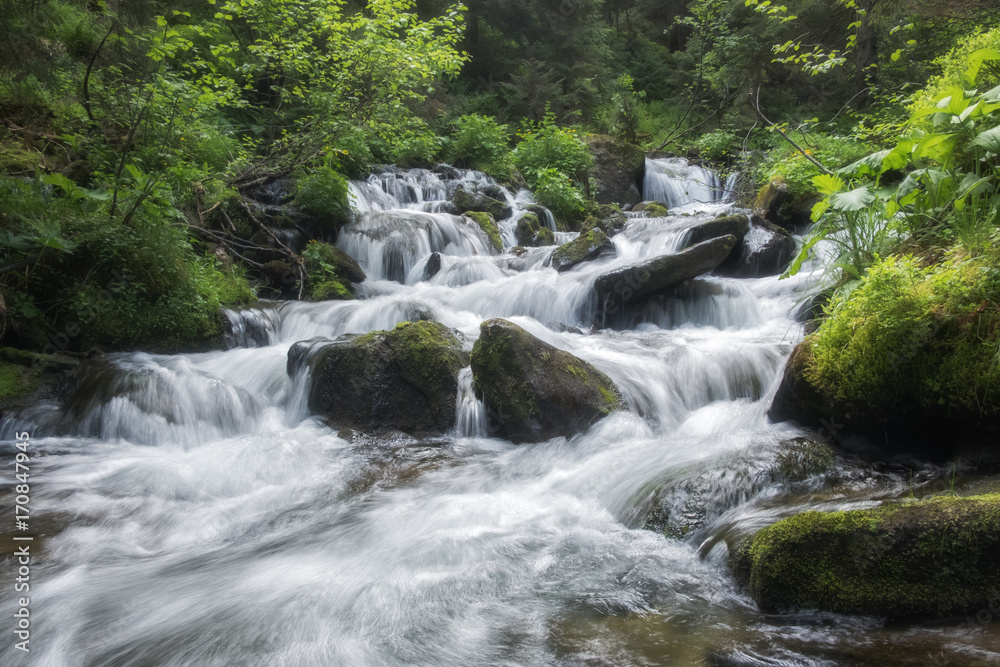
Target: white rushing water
(195, 514)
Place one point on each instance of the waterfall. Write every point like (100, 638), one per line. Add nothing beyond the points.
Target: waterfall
(677, 183)
(402, 216)
(195, 513)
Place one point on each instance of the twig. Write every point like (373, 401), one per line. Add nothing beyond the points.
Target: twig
(819, 165)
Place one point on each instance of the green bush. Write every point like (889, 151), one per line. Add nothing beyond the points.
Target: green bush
(479, 142)
(547, 146)
(555, 191)
(323, 193)
(797, 172)
(718, 146)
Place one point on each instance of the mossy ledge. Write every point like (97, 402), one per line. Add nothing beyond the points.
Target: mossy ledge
(934, 557)
(489, 227)
(534, 391)
(405, 379)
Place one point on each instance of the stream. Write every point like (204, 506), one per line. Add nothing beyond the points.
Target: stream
(192, 512)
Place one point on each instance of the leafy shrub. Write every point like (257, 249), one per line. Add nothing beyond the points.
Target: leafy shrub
(833, 151)
(479, 142)
(717, 146)
(555, 190)
(323, 193)
(548, 146)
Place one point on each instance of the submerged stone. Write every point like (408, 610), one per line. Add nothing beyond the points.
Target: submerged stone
(933, 557)
(405, 379)
(534, 391)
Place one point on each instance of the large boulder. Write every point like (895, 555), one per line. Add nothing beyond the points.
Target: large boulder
(765, 250)
(534, 391)
(770, 199)
(617, 172)
(475, 201)
(606, 217)
(405, 379)
(637, 281)
(731, 225)
(933, 557)
(588, 246)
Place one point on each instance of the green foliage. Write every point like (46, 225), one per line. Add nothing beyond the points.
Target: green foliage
(327, 279)
(323, 193)
(545, 145)
(479, 142)
(797, 172)
(556, 191)
(909, 331)
(718, 146)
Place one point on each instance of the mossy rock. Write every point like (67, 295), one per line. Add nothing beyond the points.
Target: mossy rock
(618, 170)
(475, 201)
(489, 227)
(534, 391)
(933, 557)
(732, 225)
(530, 233)
(642, 280)
(405, 379)
(27, 377)
(770, 199)
(609, 219)
(332, 272)
(652, 209)
(588, 246)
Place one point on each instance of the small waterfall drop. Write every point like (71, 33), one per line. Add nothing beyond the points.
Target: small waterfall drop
(678, 183)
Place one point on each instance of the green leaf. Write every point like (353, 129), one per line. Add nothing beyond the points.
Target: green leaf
(988, 140)
(855, 200)
(827, 184)
(803, 255)
(870, 164)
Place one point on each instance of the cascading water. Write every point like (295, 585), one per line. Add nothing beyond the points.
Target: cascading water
(194, 514)
(677, 183)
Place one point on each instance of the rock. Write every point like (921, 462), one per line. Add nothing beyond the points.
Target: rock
(534, 391)
(608, 218)
(447, 172)
(652, 209)
(323, 259)
(474, 201)
(641, 280)
(489, 227)
(770, 199)
(532, 234)
(404, 379)
(934, 557)
(766, 250)
(618, 170)
(588, 246)
(28, 379)
(433, 265)
(732, 225)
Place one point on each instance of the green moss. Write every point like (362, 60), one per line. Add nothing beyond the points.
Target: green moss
(545, 237)
(489, 227)
(655, 211)
(936, 556)
(534, 390)
(911, 343)
(329, 290)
